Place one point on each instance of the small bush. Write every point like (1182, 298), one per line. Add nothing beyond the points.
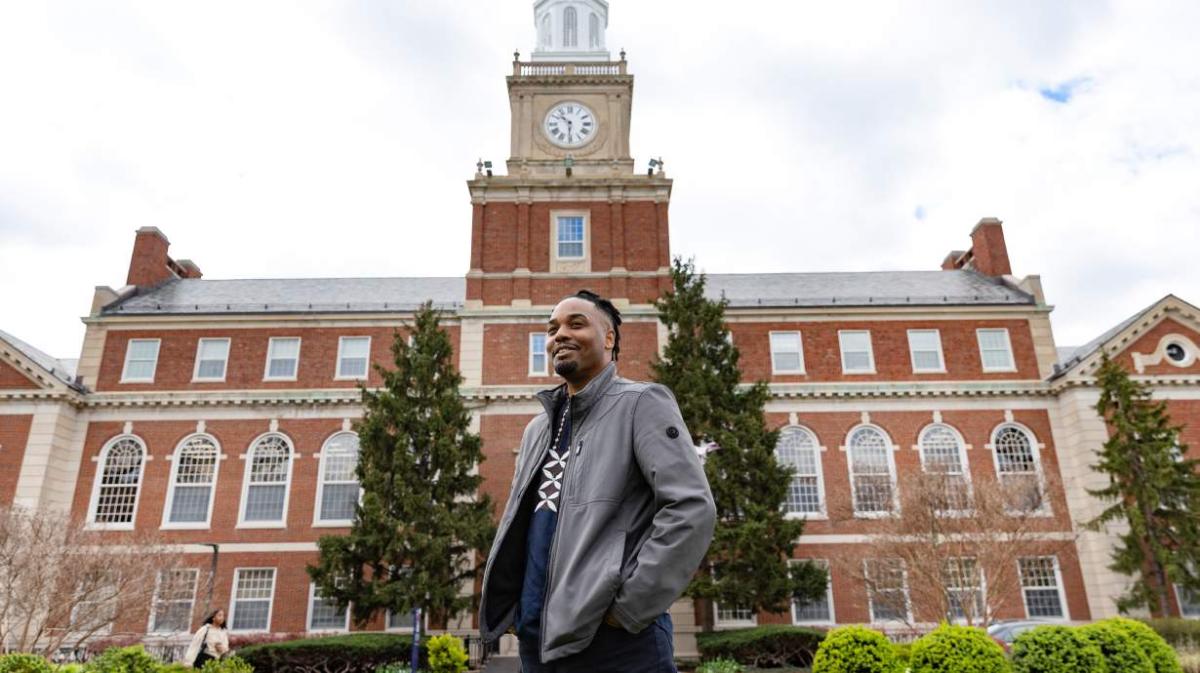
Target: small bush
(173, 667)
(132, 659)
(1056, 649)
(957, 649)
(230, 664)
(762, 646)
(353, 653)
(69, 668)
(24, 663)
(1157, 649)
(446, 654)
(720, 666)
(855, 649)
(1182, 634)
(394, 667)
(1120, 652)
(903, 653)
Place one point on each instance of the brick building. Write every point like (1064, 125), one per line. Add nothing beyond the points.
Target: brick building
(220, 411)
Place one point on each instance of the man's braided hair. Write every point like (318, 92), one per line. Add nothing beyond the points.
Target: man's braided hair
(614, 316)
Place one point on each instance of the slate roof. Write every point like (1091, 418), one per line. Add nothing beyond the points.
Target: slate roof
(332, 295)
(1081, 353)
(63, 370)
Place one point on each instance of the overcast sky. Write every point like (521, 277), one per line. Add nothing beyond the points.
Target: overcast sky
(323, 139)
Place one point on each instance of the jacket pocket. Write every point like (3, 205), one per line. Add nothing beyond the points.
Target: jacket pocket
(598, 469)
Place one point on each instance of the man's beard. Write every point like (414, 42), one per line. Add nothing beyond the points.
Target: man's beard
(566, 368)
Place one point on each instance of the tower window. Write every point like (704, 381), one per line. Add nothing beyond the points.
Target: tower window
(594, 31)
(547, 32)
(570, 28)
(570, 237)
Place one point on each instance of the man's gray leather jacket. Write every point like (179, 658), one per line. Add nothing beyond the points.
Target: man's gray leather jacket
(635, 519)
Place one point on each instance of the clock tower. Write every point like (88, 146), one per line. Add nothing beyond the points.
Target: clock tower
(572, 211)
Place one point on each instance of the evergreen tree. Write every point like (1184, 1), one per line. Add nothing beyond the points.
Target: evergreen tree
(747, 564)
(1152, 487)
(420, 516)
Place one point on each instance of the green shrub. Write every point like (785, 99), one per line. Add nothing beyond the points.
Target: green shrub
(446, 654)
(173, 667)
(1182, 634)
(774, 645)
(132, 659)
(352, 653)
(230, 664)
(855, 649)
(1157, 649)
(1056, 649)
(24, 663)
(69, 668)
(394, 667)
(720, 666)
(957, 649)
(903, 653)
(1120, 652)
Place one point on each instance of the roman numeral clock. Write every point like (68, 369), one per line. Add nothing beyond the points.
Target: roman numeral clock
(570, 124)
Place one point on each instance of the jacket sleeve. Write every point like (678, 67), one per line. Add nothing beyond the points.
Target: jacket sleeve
(193, 649)
(684, 515)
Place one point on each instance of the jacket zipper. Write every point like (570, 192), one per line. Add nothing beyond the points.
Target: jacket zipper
(562, 511)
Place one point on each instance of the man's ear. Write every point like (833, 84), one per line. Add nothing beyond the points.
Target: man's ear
(610, 339)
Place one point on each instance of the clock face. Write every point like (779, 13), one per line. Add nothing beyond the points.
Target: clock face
(570, 124)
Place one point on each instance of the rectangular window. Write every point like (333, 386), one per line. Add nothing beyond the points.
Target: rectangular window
(887, 589)
(141, 359)
(1189, 602)
(283, 359)
(212, 356)
(353, 356)
(964, 589)
(1041, 588)
(570, 237)
(857, 356)
(925, 347)
(735, 616)
(538, 359)
(174, 597)
(403, 621)
(995, 350)
(787, 353)
(819, 611)
(323, 613)
(253, 591)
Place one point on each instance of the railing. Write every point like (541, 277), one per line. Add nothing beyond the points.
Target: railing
(557, 69)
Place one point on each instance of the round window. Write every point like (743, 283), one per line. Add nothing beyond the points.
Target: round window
(1176, 352)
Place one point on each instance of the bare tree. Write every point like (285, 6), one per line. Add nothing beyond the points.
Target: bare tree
(62, 585)
(953, 549)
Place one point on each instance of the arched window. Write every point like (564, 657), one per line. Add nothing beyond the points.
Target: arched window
(1018, 468)
(798, 448)
(872, 471)
(114, 500)
(943, 455)
(193, 477)
(594, 31)
(267, 479)
(339, 484)
(570, 28)
(547, 37)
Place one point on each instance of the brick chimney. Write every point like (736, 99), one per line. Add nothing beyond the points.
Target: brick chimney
(150, 265)
(988, 254)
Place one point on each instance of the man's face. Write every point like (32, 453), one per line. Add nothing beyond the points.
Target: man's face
(579, 339)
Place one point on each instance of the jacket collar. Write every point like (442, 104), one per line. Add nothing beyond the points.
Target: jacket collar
(583, 399)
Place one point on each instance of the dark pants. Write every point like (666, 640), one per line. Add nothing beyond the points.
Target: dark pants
(613, 650)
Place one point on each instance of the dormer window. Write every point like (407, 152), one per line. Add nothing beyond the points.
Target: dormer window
(570, 28)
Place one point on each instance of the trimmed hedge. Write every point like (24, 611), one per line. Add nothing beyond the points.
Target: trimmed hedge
(230, 664)
(353, 653)
(24, 663)
(1157, 649)
(1182, 634)
(1120, 652)
(958, 649)
(1056, 649)
(856, 649)
(774, 645)
(132, 659)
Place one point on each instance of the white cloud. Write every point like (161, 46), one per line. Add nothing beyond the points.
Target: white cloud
(276, 139)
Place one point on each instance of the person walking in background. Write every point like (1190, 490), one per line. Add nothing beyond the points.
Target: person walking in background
(210, 642)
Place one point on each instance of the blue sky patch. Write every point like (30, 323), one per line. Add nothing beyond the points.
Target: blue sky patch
(1064, 91)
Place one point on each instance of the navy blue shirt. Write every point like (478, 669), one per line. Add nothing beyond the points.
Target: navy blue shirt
(542, 523)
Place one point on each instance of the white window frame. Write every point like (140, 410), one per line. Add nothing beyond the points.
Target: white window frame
(722, 624)
(912, 352)
(125, 378)
(248, 458)
(534, 351)
(1012, 360)
(312, 604)
(151, 623)
(387, 620)
(559, 264)
(890, 449)
(271, 349)
(101, 462)
(908, 617)
(842, 334)
(1182, 605)
(775, 369)
(1058, 581)
(822, 513)
(169, 502)
(196, 378)
(338, 374)
(233, 601)
(828, 596)
(318, 522)
(962, 459)
(981, 588)
(1036, 449)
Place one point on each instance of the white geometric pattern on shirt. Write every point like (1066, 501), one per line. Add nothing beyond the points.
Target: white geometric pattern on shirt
(552, 473)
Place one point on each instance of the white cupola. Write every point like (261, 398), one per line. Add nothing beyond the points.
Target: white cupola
(570, 30)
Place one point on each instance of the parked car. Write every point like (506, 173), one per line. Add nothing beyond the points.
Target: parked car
(1006, 632)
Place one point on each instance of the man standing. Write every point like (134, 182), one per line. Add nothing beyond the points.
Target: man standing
(609, 514)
